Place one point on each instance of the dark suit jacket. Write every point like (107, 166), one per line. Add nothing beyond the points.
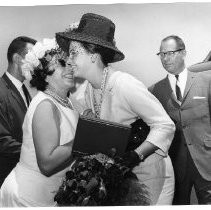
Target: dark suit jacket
(192, 120)
(12, 112)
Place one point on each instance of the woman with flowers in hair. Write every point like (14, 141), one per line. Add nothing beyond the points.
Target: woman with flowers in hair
(48, 131)
(119, 97)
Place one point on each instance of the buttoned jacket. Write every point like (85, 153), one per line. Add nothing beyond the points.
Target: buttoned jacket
(192, 120)
(126, 99)
(12, 113)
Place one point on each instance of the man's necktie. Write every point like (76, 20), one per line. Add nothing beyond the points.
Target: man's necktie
(27, 95)
(178, 91)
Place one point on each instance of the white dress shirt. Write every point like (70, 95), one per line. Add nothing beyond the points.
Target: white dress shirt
(181, 81)
(18, 84)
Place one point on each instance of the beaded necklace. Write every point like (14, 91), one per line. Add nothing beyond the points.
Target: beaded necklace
(97, 107)
(62, 101)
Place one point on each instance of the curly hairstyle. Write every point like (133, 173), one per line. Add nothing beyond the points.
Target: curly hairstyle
(41, 72)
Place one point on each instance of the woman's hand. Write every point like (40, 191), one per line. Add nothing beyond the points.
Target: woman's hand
(129, 159)
(88, 113)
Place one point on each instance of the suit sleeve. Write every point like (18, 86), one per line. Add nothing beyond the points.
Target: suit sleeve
(8, 145)
(142, 103)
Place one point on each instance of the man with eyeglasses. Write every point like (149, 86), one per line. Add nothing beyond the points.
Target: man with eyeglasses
(186, 97)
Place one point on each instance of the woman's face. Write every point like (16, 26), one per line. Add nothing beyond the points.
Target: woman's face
(62, 77)
(79, 59)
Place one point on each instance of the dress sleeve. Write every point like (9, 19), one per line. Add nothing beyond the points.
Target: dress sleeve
(143, 104)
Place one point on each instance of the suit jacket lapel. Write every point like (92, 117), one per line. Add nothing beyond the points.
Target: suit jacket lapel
(14, 92)
(190, 79)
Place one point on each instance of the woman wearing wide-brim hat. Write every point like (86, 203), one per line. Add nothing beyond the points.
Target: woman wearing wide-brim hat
(119, 97)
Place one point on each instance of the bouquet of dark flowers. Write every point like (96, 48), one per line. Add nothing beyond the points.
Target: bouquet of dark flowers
(98, 180)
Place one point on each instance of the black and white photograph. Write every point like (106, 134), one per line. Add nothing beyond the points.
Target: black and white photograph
(105, 104)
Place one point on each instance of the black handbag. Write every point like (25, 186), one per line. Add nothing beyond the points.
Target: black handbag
(97, 135)
(139, 132)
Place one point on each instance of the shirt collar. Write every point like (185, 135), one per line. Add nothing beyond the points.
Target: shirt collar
(18, 84)
(182, 75)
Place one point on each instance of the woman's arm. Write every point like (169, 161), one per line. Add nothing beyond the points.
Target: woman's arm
(143, 104)
(51, 156)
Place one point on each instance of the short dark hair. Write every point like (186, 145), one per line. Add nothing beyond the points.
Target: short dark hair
(106, 54)
(41, 72)
(39, 75)
(177, 39)
(18, 45)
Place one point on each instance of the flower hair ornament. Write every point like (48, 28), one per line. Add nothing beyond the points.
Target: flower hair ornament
(72, 27)
(48, 49)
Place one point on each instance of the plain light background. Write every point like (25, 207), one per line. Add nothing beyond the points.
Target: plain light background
(139, 30)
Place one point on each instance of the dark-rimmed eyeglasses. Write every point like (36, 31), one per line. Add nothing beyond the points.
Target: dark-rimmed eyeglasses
(169, 53)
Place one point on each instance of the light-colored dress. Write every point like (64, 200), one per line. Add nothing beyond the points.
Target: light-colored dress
(26, 185)
(125, 99)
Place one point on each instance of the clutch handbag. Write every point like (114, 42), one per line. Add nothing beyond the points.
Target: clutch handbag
(97, 135)
(139, 133)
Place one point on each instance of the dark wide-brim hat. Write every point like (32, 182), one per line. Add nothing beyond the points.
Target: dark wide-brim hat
(93, 29)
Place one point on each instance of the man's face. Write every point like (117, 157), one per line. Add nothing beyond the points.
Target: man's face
(172, 57)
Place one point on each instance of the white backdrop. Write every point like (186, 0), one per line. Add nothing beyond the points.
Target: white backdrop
(139, 30)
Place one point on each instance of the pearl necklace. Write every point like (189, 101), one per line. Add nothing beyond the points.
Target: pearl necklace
(97, 107)
(62, 101)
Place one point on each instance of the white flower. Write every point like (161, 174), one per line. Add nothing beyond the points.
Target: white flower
(29, 63)
(38, 51)
(32, 59)
(49, 44)
(40, 48)
(73, 25)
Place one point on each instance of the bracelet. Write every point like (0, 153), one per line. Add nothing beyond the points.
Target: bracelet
(141, 156)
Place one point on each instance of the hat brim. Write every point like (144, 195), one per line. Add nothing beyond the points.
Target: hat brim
(64, 38)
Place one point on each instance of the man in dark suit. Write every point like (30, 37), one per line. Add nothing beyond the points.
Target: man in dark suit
(186, 96)
(14, 100)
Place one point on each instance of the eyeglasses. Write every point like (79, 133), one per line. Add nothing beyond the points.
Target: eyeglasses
(169, 53)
